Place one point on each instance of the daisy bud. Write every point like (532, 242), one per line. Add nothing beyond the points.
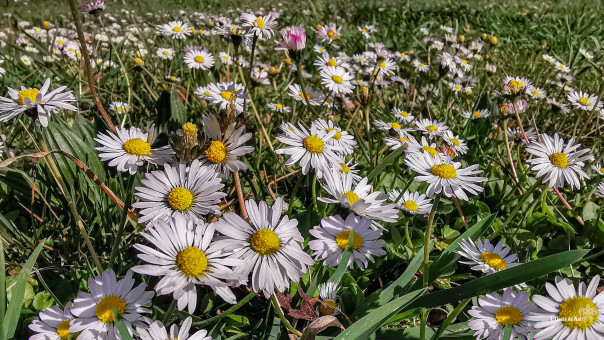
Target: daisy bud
(190, 132)
(494, 40)
(294, 41)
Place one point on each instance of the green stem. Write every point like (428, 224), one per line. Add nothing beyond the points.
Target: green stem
(516, 208)
(226, 312)
(282, 317)
(426, 273)
(293, 196)
(169, 312)
(124, 220)
(314, 193)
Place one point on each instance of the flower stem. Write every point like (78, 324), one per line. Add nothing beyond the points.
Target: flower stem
(268, 140)
(427, 241)
(301, 81)
(568, 205)
(240, 195)
(282, 317)
(226, 313)
(504, 122)
(122, 226)
(314, 193)
(520, 122)
(293, 196)
(460, 212)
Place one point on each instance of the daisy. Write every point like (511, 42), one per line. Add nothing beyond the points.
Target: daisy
(342, 139)
(494, 312)
(328, 292)
(385, 67)
(331, 239)
(157, 331)
(515, 135)
(269, 246)
(444, 175)
(584, 101)
(260, 25)
(337, 79)
(94, 7)
(600, 190)
(294, 41)
(558, 162)
(223, 94)
(431, 128)
(536, 93)
(420, 147)
(54, 324)
(598, 168)
(549, 58)
(403, 115)
(225, 59)
(386, 126)
(178, 189)
(199, 59)
(180, 255)
(175, 29)
(402, 140)
(357, 197)
(310, 148)
(515, 85)
(563, 68)
(586, 54)
(93, 311)
(485, 257)
(329, 32)
(420, 66)
(37, 104)
(278, 107)
(325, 60)
(129, 149)
(411, 202)
(568, 313)
(225, 146)
(458, 145)
(477, 114)
(119, 107)
(349, 168)
(25, 60)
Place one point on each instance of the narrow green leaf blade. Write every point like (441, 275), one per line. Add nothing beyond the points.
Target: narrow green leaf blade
(382, 165)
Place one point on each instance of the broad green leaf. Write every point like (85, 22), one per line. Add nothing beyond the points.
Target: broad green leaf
(43, 300)
(119, 324)
(382, 165)
(179, 110)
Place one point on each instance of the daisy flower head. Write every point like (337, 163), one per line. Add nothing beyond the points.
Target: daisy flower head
(486, 257)
(93, 311)
(599, 169)
(223, 94)
(94, 7)
(337, 79)
(568, 313)
(431, 128)
(127, 149)
(557, 106)
(444, 175)
(584, 101)
(157, 331)
(420, 147)
(260, 25)
(562, 68)
(199, 59)
(348, 168)
(357, 197)
(411, 202)
(403, 115)
(513, 86)
(402, 139)
(600, 190)
(476, 114)
(294, 41)
(54, 323)
(278, 107)
(329, 32)
(342, 139)
(494, 312)
(119, 107)
(387, 126)
(328, 292)
(325, 60)
(38, 104)
(178, 251)
(225, 146)
(384, 67)
(175, 29)
(588, 55)
(269, 246)
(458, 145)
(225, 58)
(313, 97)
(179, 190)
(549, 58)
(420, 66)
(332, 237)
(165, 53)
(536, 93)
(309, 148)
(515, 135)
(557, 161)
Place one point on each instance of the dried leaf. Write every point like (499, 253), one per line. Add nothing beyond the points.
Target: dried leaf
(320, 324)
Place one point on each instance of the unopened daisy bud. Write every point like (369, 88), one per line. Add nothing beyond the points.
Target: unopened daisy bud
(139, 61)
(274, 70)
(504, 109)
(484, 36)
(46, 25)
(467, 28)
(493, 40)
(294, 41)
(462, 37)
(190, 132)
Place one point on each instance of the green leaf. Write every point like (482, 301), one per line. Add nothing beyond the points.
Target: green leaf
(179, 110)
(18, 294)
(2, 289)
(382, 165)
(121, 327)
(507, 333)
(43, 300)
(590, 211)
(343, 266)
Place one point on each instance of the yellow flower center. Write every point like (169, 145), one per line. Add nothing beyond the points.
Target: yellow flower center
(338, 134)
(166, 52)
(138, 147)
(279, 106)
(584, 101)
(455, 141)
(304, 95)
(180, 199)
(265, 242)
(602, 170)
(63, 329)
(432, 128)
(217, 152)
(119, 108)
(395, 125)
(421, 65)
(559, 159)
(103, 308)
(382, 64)
(345, 168)
(431, 150)
(352, 197)
(331, 33)
(405, 114)
(332, 62)
(199, 59)
(177, 29)
(578, 313)
(536, 92)
(190, 131)
(508, 316)
(444, 171)
(139, 61)
(192, 262)
(314, 144)
(337, 79)
(259, 22)
(226, 95)
(30, 94)
(515, 85)
(410, 205)
(457, 87)
(493, 260)
(328, 307)
(342, 240)
(476, 114)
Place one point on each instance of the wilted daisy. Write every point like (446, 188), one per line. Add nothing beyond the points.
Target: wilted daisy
(157, 331)
(584, 101)
(431, 128)
(411, 202)
(342, 139)
(119, 107)
(444, 175)
(180, 255)
(357, 197)
(37, 104)
(309, 148)
(260, 25)
(558, 162)
(54, 324)
(332, 239)
(225, 146)
(337, 79)
(485, 257)
(269, 246)
(128, 149)
(278, 107)
(568, 313)
(93, 311)
(178, 189)
(476, 114)
(175, 29)
(494, 312)
(94, 7)
(328, 292)
(199, 58)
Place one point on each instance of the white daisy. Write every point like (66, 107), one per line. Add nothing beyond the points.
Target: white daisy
(129, 149)
(180, 255)
(563, 68)
(178, 189)
(278, 107)
(558, 162)
(54, 324)
(485, 257)
(420, 147)
(402, 140)
(458, 145)
(476, 114)
(584, 101)
(515, 135)
(314, 97)
(600, 190)
(549, 58)
(420, 66)
(411, 202)
(568, 313)
(119, 107)
(342, 139)
(165, 53)
(175, 29)
(269, 246)
(494, 312)
(25, 60)
(444, 175)
(325, 60)
(386, 126)
(224, 93)
(536, 93)
(349, 168)
(37, 104)
(337, 79)
(431, 128)
(199, 59)
(403, 115)
(515, 85)
(93, 311)
(225, 59)
(260, 25)
(598, 169)
(332, 239)
(157, 331)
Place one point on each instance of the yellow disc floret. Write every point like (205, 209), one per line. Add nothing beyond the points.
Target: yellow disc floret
(177, 29)
(104, 308)
(352, 197)
(190, 131)
(338, 134)
(444, 171)
(342, 240)
(410, 205)
(345, 168)
(430, 149)
(508, 316)
(432, 128)
(493, 260)
(199, 59)
(226, 95)
(578, 313)
(328, 307)
(138, 147)
(63, 329)
(265, 242)
(259, 22)
(395, 125)
(30, 94)
(314, 144)
(180, 199)
(559, 159)
(337, 79)
(332, 62)
(584, 101)
(192, 262)
(217, 152)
